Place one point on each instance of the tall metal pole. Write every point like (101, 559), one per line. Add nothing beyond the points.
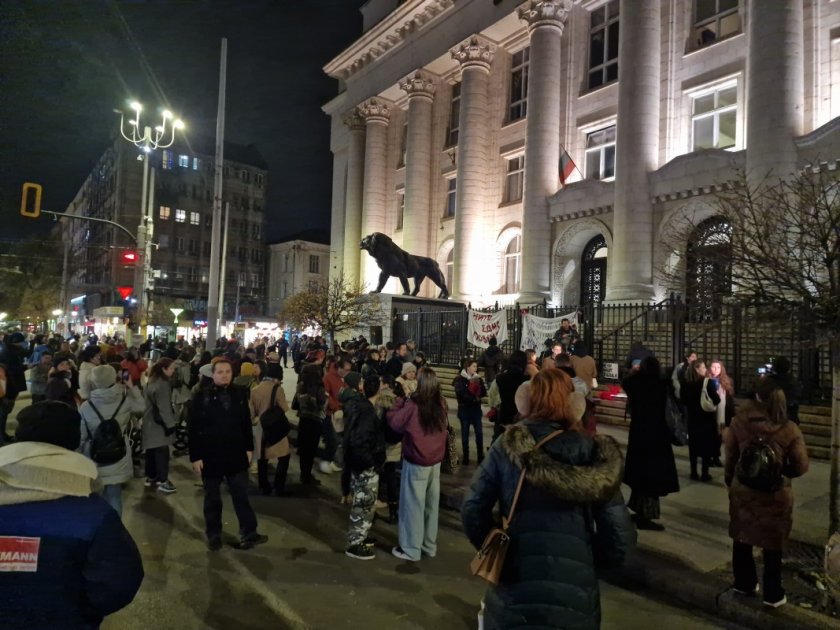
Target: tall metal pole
(149, 300)
(65, 279)
(223, 273)
(140, 266)
(213, 293)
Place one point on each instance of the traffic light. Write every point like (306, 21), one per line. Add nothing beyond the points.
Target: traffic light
(129, 257)
(30, 200)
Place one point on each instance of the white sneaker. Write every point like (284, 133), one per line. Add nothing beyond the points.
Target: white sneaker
(166, 487)
(777, 604)
(325, 467)
(335, 467)
(397, 552)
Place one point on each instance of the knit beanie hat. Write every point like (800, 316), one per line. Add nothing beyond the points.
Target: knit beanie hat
(102, 377)
(352, 380)
(246, 369)
(408, 367)
(50, 421)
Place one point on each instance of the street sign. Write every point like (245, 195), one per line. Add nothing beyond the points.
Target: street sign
(124, 292)
(30, 200)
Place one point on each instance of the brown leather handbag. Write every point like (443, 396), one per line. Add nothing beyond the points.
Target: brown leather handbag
(490, 558)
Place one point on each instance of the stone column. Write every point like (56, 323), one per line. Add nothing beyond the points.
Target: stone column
(630, 262)
(420, 88)
(376, 113)
(353, 196)
(469, 278)
(775, 89)
(542, 143)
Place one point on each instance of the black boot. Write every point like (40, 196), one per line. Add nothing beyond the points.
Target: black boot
(705, 476)
(280, 476)
(262, 476)
(694, 476)
(393, 513)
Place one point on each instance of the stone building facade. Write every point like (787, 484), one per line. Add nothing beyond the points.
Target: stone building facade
(455, 122)
(295, 266)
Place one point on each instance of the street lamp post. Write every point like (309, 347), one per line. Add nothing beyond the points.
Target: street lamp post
(147, 141)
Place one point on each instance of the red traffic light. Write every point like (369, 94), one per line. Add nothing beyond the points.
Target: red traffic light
(129, 257)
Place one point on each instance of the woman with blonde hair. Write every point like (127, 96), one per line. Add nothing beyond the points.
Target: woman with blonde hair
(570, 517)
(760, 494)
(726, 391)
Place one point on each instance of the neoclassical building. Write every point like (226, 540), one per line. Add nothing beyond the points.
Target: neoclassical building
(541, 149)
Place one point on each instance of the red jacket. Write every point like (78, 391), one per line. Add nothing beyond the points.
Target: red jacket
(332, 385)
(419, 448)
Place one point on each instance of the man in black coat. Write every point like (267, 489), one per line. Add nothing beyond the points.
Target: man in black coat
(395, 363)
(221, 445)
(12, 353)
(507, 383)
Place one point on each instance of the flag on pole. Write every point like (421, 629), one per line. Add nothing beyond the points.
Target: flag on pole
(567, 167)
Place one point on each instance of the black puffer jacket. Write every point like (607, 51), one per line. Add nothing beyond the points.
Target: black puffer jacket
(220, 430)
(571, 491)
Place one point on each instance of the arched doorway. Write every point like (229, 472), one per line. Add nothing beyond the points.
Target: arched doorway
(593, 271)
(708, 269)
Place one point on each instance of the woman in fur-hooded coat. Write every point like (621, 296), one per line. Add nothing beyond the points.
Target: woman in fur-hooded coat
(571, 490)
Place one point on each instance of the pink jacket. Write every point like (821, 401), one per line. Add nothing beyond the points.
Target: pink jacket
(419, 448)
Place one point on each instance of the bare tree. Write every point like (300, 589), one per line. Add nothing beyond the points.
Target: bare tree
(333, 307)
(785, 257)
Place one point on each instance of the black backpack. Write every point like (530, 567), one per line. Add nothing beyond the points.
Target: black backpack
(760, 466)
(275, 424)
(107, 443)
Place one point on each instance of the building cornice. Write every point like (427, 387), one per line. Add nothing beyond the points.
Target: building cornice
(393, 31)
(579, 214)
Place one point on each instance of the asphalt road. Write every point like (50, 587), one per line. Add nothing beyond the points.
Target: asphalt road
(301, 577)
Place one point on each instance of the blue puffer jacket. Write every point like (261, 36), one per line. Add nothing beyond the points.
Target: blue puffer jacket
(570, 520)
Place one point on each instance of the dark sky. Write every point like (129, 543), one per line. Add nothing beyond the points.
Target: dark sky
(64, 66)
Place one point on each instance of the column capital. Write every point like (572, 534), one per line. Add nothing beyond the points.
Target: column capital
(375, 110)
(420, 84)
(354, 120)
(545, 13)
(475, 52)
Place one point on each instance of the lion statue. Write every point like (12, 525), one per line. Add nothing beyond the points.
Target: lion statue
(394, 261)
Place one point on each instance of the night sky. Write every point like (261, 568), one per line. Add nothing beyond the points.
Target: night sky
(64, 66)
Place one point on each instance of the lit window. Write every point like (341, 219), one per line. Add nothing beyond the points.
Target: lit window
(184, 161)
(400, 209)
(600, 154)
(714, 20)
(519, 85)
(513, 258)
(450, 268)
(314, 264)
(713, 120)
(195, 218)
(180, 216)
(454, 115)
(514, 179)
(403, 145)
(196, 163)
(451, 189)
(164, 213)
(166, 160)
(603, 44)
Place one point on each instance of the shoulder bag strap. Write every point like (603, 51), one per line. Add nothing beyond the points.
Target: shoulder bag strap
(96, 411)
(274, 395)
(506, 520)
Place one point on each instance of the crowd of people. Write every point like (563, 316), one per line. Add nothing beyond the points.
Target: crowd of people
(384, 422)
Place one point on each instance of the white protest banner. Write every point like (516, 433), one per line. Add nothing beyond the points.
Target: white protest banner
(482, 326)
(535, 330)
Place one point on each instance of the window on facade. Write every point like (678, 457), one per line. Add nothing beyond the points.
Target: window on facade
(193, 247)
(196, 163)
(519, 85)
(166, 159)
(403, 145)
(245, 176)
(714, 20)
(164, 213)
(603, 44)
(600, 154)
(163, 241)
(256, 230)
(206, 248)
(193, 274)
(184, 161)
(513, 259)
(400, 209)
(285, 262)
(180, 216)
(195, 218)
(243, 278)
(255, 280)
(205, 275)
(713, 119)
(454, 116)
(314, 264)
(451, 189)
(179, 243)
(514, 179)
(450, 268)
(258, 179)
(208, 219)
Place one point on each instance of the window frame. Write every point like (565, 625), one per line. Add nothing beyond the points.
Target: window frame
(454, 117)
(520, 100)
(715, 113)
(314, 263)
(183, 160)
(164, 213)
(180, 215)
(607, 61)
(602, 150)
(514, 258)
(518, 174)
(715, 21)
(449, 207)
(195, 218)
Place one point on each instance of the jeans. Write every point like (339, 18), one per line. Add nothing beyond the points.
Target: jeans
(279, 474)
(112, 493)
(471, 417)
(157, 463)
(238, 485)
(419, 503)
(743, 568)
(309, 434)
(363, 489)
